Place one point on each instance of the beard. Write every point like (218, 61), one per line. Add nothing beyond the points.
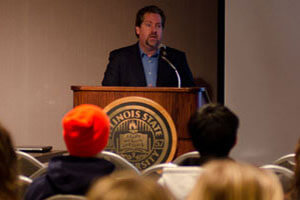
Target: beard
(153, 41)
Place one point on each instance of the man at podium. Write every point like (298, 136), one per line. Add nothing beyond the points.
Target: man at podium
(148, 62)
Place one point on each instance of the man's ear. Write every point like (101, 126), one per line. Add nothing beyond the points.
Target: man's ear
(236, 140)
(137, 30)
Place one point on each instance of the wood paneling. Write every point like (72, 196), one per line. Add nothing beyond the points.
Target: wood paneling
(180, 103)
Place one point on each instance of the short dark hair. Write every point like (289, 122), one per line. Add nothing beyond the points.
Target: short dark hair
(213, 129)
(149, 9)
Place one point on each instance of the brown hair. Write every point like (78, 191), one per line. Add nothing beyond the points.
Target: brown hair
(8, 167)
(149, 9)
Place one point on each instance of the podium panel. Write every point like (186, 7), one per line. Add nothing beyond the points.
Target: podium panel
(180, 103)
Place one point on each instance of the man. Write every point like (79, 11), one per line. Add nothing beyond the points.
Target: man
(213, 130)
(142, 64)
(86, 133)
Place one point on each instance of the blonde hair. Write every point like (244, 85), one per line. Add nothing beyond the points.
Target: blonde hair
(228, 180)
(128, 187)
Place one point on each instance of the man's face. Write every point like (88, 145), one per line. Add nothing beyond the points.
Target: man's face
(150, 31)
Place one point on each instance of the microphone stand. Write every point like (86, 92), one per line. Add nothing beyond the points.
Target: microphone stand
(169, 62)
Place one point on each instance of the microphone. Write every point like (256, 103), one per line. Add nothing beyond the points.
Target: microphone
(163, 50)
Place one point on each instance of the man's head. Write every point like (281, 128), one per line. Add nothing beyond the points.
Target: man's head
(85, 130)
(213, 130)
(149, 25)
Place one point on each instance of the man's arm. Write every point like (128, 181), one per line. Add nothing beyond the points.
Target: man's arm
(112, 72)
(186, 75)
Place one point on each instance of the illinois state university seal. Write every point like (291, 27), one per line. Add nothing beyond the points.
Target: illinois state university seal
(142, 131)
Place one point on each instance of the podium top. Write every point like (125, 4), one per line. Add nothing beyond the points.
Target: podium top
(137, 89)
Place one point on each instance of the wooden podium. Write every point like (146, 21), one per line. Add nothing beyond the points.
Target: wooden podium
(180, 103)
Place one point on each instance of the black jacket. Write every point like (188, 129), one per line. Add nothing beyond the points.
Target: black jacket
(68, 175)
(125, 68)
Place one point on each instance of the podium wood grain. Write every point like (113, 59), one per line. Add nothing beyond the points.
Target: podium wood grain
(180, 103)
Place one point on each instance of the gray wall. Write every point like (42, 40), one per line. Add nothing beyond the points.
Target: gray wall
(262, 76)
(48, 45)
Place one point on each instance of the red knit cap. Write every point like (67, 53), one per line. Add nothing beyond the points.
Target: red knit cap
(86, 130)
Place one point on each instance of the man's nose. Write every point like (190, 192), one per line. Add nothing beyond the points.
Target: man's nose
(154, 28)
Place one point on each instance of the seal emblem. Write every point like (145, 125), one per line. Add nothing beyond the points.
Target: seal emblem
(142, 131)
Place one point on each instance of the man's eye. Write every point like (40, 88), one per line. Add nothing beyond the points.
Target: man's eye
(158, 26)
(147, 24)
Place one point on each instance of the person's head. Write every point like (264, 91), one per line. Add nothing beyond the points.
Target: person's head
(213, 130)
(128, 187)
(294, 192)
(8, 166)
(86, 130)
(149, 25)
(223, 180)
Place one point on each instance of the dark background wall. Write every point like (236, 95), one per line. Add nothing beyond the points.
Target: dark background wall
(262, 76)
(48, 45)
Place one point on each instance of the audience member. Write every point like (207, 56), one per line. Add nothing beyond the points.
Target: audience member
(213, 130)
(8, 167)
(228, 180)
(85, 131)
(294, 193)
(130, 187)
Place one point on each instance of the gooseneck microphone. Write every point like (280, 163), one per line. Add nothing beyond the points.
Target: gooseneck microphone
(163, 51)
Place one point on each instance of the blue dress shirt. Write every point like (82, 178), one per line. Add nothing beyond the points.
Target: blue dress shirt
(150, 65)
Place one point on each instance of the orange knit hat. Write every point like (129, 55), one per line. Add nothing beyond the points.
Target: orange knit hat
(85, 130)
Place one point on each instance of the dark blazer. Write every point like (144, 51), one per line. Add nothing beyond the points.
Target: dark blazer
(125, 68)
(68, 175)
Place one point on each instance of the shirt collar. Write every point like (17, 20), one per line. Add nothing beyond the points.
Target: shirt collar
(142, 53)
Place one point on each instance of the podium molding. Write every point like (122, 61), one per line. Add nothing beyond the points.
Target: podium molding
(180, 103)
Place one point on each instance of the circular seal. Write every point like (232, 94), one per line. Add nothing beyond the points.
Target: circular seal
(142, 131)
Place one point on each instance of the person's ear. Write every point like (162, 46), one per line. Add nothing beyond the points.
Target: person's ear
(137, 30)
